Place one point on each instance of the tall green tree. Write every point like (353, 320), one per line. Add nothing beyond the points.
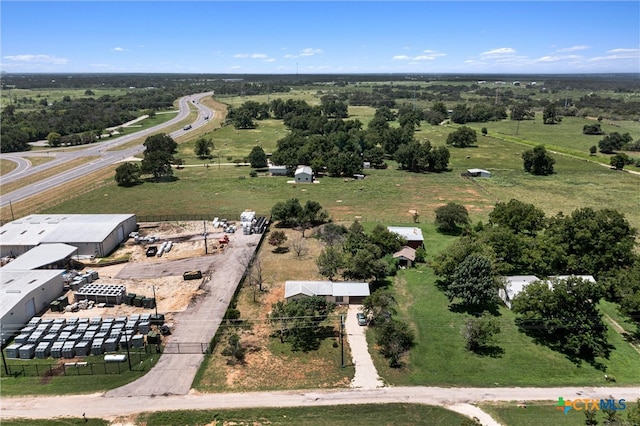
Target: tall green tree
(299, 321)
(474, 284)
(330, 261)
(451, 217)
(564, 315)
(538, 161)
(518, 216)
(379, 306)
(258, 158)
(479, 332)
(160, 142)
(203, 147)
(394, 338)
(462, 137)
(157, 163)
(128, 174)
(594, 242)
(551, 115)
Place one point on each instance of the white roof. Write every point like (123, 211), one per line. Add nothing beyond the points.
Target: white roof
(308, 288)
(272, 167)
(325, 288)
(14, 285)
(55, 228)
(350, 289)
(304, 169)
(477, 171)
(407, 232)
(41, 255)
(517, 283)
(584, 277)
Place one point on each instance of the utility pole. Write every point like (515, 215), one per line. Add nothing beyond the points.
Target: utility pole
(341, 341)
(127, 342)
(11, 207)
(206, 248)
(155, 302)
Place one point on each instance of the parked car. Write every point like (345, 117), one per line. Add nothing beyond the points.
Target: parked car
(362, 320)
(151, 251)
(187, 127)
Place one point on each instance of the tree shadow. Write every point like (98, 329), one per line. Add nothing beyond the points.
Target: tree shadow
(537, 332)
(493, 351)
(383, 283)
(474, 310)
(280, 250)
(162, 179)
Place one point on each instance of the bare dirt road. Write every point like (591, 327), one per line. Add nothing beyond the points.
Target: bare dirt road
(96, 405)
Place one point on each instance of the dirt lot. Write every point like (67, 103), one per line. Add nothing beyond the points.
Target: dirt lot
(141, 274)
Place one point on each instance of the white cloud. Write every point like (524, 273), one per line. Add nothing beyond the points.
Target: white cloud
(269, 60)
(289, 56)
(259, 56)
(574, 48)
(241, 55)
(310, 52)
(118, 49)
(36, 59)
(631, 52)
(236, 67)
(429, 56)
(502, 51)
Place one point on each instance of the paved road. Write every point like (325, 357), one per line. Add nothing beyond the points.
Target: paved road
(97, 405)
(100, 149)
(366, 375)
(174, 372)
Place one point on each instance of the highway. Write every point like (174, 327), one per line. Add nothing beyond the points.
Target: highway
(102, 150)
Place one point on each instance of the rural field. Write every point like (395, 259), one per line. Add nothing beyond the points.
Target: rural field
(222, 186)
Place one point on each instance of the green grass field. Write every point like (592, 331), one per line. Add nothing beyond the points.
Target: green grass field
(440, 359)
(542, 413)
(51, 95)
(72, 383)
(347, 415)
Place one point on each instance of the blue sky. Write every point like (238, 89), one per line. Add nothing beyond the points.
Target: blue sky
(320, 37)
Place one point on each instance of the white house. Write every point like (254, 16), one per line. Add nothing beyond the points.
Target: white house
(304, 174)
(343, 293)
(513, 286)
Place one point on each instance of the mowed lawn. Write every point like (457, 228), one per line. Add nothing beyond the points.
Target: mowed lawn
(440, 358)
(542, 413)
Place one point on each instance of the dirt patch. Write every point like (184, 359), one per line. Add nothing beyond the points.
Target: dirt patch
(173, 294)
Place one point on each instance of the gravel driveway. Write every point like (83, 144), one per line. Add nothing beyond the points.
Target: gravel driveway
(174, 373)
(366, 375)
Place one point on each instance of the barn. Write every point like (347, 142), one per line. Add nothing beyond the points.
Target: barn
(304, 174)
(413, 235)
(92, 234)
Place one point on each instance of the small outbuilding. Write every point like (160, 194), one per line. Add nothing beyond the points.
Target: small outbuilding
(304, 174)
(406, 256)
(278, 170)
(478, 173)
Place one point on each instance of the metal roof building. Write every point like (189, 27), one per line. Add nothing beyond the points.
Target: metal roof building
(411, 234)
(337, 292)
(42, 256)
(92, 234)
(25, 293)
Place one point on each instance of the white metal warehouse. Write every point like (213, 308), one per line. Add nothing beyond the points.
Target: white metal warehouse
(25, 293)
(92, 234)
